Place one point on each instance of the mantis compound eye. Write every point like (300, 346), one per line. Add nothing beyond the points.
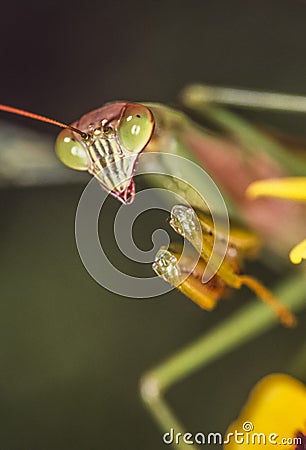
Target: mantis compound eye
(135, 127)
(71, 151)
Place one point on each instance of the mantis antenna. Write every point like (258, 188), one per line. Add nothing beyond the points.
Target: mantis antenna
(21, 112)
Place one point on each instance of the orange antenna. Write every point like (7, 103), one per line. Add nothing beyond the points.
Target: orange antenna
(20, 112)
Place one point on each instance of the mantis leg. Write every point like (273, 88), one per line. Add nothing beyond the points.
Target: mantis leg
(245, 98)
(206, 101)
(185, 222)
(251, 321)
(281, 311)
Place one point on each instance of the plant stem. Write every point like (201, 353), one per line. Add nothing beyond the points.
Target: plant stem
(249, 322)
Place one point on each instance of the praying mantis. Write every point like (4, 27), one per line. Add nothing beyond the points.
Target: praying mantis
(108, 142)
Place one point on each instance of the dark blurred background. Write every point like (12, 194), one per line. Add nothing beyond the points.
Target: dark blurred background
(71, 353)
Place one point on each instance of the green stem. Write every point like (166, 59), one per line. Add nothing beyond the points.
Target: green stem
(250, 322)
(164, 416)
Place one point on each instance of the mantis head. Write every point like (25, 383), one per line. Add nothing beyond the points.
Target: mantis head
(107, 144)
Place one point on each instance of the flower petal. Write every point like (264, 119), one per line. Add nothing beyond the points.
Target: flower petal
(277, 404)
(298, 253)
(290, 188)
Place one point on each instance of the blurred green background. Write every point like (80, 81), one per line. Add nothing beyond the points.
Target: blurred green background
(72, 353)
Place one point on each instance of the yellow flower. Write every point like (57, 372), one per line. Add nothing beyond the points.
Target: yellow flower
(288, 188)
(276, 409)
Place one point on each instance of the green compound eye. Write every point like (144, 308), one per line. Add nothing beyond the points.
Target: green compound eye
(71, 152)
(135, 128)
